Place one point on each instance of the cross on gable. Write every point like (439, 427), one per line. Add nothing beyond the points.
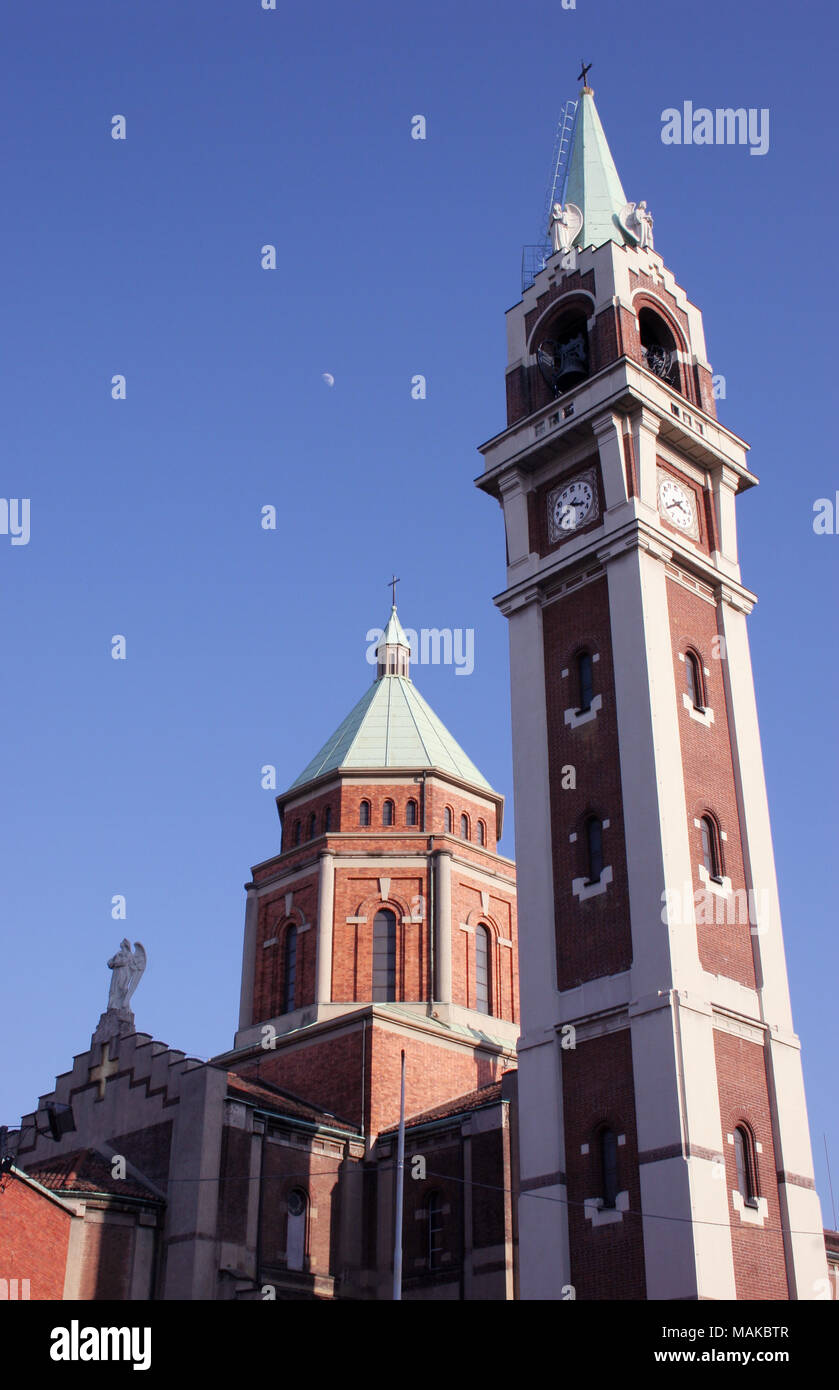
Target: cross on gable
(108, 1066)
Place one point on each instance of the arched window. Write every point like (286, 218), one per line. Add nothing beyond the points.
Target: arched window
(387, 813)
(746, 1160)
(693, 680)
(297, 832)
(482, 833)
(464, 827)
(448, 820)
(585, 681)
(483, 991)
(364, 813)
(384, 955)
(411, 813)
(434, 1233)
(297, 1204)
(594, 848)
(711, 853)
(658, 347)
(289, 970)
(608, 1152)
(313, 825)
(327, 818)
(562, 355)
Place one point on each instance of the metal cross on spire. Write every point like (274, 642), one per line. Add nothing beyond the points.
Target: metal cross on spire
(393, 583)
(583, 75)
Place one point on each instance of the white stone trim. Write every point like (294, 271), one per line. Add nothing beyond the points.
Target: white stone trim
(356, 919)
(573, 719)
(582, 889)
(705, 715)
(599, 1215)
(272, 942)
(465, 927)
(722, 889)
(750, 1216)
(505, 941)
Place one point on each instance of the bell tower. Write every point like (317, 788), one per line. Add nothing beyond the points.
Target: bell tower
(661, 1096)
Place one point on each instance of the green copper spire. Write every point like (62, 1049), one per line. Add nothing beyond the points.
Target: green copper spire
(593, 182)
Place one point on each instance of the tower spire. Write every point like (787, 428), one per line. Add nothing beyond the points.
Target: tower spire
(593, 183)
(394, 653)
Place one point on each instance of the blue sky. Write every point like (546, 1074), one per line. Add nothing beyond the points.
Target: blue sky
(395, 257)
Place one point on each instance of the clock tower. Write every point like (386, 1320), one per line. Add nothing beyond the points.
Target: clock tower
(662, 1109)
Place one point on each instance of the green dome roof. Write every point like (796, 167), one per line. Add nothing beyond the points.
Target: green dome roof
(392, 726)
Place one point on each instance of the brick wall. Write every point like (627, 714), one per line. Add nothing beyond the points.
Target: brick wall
(34, 1235)
(593, 935)
(759, 1262)
(725, 948)
(607, 1262)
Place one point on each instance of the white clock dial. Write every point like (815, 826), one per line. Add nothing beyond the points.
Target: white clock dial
(676, 504)
(573, 505)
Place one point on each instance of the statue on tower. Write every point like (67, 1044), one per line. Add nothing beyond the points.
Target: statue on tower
(566, 224)
(637, 222)
(127, 967)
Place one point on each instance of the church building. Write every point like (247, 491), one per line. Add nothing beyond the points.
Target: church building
(640, 1131)
(385, 924)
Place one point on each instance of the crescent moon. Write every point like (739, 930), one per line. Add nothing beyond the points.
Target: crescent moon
(328, 378)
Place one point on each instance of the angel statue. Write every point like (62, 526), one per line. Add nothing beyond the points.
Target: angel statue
(566, 224)
(127, 967)
(638, 222)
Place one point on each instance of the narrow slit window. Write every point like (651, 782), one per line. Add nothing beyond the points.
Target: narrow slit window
(693, 680)
(387, 813)
(364, 813)
(594, 847)
(711, 855)
(609, 1166)
(744, 1155)
(482, 970)
(411, 813)
(585, 681)
(290, 971)
(384, 956)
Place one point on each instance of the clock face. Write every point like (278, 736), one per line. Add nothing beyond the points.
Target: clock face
(676, 504)
(572, 505)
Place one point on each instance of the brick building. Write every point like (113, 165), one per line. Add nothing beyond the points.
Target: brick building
(385, 924)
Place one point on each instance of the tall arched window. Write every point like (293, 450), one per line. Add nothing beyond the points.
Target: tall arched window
(482, 833)
(297, 1204)
(585, 681)
(364, 813)
(327, 818)
(313, 825)
(448, 820)
(434, 1232)
(384, 955)
(464, 827)
(297, 832)
(608, 1152)
(746, 1160)
(411, 813)
(289, 970)
(387, 813)
(483, 991)
(711, 853)
(693, 680)
(594, 848)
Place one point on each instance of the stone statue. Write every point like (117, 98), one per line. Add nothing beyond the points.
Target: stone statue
(566, 224)
(127, 966)
(638, 223)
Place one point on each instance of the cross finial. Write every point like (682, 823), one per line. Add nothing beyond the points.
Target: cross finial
(583, 75)
(393, 583)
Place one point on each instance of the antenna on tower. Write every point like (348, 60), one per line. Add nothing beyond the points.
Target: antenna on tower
(535, 258)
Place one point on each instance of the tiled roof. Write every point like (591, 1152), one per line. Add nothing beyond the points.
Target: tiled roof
(85, 1170)
(270, 1097)
(392, 726)
(474, 1100)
